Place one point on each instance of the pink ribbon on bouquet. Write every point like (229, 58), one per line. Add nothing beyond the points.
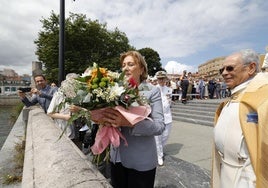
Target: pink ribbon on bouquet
(110, 135)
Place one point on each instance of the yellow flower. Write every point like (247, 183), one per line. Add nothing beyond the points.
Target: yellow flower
(103, 71)
(94, 76)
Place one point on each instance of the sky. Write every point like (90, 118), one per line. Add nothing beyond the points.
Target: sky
(185, 33)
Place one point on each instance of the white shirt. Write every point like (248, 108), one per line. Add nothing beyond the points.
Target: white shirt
(166, 101)
(58, 97)
(173, 85)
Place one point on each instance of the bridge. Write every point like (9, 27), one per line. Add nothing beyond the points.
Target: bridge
(50, 162)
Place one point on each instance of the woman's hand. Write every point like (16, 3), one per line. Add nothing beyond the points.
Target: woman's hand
(115, 118)
(74, 109)
(111, 117)
(65, 117)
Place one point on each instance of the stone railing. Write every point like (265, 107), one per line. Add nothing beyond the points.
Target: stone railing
(53, 162)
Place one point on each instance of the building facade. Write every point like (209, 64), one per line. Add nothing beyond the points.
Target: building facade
(10, 81)
(210, 69)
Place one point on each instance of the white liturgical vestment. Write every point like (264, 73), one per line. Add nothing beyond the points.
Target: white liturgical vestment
(236, 169)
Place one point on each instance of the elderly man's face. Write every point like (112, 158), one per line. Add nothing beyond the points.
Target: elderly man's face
(234, 72)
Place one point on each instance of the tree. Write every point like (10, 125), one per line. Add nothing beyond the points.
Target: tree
(152, 59)
(86, 41)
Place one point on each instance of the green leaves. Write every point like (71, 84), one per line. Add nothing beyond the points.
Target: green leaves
(152, 59)
(122, 75)
(86, 41)
(83, 79)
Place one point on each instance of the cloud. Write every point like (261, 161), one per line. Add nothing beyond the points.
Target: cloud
(182, 28)
(176, 29)
(173, 67)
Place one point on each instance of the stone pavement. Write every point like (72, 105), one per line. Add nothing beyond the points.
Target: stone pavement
(187, 160)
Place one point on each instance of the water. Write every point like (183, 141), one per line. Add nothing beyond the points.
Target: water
(5, 125)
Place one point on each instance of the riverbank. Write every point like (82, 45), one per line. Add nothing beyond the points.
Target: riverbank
(5, 123)
(8, 161)
(9, 100)
(7, 115)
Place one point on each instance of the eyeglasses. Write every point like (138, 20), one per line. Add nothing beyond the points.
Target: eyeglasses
(227, 68)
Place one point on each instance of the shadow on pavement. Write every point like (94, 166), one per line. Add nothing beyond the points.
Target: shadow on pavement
(172, 149)
(176, 173)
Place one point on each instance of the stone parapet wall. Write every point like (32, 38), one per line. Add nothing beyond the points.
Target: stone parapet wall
(53, 162)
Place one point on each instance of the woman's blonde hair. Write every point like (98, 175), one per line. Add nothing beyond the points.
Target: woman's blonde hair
(138, 58)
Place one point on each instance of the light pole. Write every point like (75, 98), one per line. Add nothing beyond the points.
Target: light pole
(61, 41)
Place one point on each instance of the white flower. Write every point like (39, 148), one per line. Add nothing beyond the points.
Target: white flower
(117, 90)
(87, 98)
(80, 92)
(135, 104)
(69, 87)
(113, 74)
(87, 72)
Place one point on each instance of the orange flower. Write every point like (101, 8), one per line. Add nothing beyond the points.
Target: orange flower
(94, 73)
(103, 71)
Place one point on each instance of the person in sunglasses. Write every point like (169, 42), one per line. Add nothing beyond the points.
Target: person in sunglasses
(240, 150)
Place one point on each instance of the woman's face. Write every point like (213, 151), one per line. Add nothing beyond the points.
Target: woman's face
(132, 69)
(161, 81)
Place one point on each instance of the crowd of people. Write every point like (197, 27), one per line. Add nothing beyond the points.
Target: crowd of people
(187, 88)
(240, 133)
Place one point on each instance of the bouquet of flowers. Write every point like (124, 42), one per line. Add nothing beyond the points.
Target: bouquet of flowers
(99, 88)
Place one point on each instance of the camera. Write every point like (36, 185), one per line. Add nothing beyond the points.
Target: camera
(25, 89)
